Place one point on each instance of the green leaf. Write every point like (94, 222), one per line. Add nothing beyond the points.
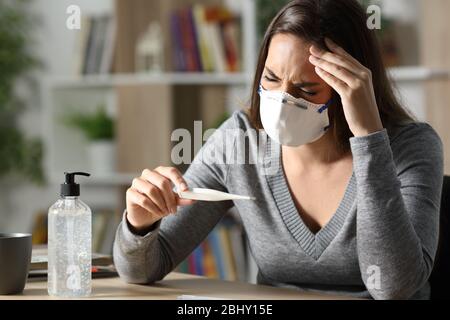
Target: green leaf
(17, 153)
(95, 126)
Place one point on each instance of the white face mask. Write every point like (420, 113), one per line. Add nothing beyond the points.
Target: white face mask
(292, 121)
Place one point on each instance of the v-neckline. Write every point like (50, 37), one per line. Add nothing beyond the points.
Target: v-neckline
(313, 244)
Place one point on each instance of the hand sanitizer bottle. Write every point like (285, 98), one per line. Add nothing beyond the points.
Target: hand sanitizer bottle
(69, 242)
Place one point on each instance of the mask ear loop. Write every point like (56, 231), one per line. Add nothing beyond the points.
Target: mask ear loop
(299, 105)
(325, 107)
(321, 110)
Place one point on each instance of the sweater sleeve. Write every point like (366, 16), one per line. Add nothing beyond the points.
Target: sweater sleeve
(399, 187)
(149, 258)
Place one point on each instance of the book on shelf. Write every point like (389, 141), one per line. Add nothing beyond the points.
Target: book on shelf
(104, 224)
(39, 228)
(205, 39)
(209, 264)
(221, 255)
(237, 242)
(95, 45)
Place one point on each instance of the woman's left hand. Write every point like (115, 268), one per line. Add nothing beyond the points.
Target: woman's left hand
(353, 82)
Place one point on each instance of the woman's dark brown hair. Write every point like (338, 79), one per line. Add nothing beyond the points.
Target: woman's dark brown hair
(344, 22)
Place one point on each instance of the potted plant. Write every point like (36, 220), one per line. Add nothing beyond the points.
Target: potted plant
(266, 11)
(98, 128)
(18, 153)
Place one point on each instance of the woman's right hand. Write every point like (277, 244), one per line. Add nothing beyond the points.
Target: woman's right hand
(151, 198)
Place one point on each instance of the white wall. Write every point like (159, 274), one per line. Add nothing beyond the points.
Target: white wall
(54, 44)
(406, 15)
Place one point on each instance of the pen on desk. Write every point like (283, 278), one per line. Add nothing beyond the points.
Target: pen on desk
(102, 268)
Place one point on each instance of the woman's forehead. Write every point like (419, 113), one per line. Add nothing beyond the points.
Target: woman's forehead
(288, 56)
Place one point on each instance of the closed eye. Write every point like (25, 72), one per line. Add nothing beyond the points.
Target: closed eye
(270, 79)
(308, 93)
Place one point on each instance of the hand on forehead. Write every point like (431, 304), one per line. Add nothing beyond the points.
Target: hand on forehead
(288, 69)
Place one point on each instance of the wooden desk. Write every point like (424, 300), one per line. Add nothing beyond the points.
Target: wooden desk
(174, 285)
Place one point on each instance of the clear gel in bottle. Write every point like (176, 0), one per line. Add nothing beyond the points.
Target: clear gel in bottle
(69, 242)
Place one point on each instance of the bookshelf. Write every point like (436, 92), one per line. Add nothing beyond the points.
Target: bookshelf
(87, 91)
(147, 107)
(127, 93)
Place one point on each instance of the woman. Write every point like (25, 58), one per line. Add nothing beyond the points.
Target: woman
(352, 207)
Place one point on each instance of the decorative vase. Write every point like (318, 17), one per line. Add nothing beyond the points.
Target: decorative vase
(102, 157)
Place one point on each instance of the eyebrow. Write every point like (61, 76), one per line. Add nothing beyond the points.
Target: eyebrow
(297, 85)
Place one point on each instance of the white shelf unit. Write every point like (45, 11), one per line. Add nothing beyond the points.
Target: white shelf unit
(417, 74)
(66, 148)
(108, 81)
(63, 92)
(105, 180)
(60, 92)
(398, 74)
(411, 83)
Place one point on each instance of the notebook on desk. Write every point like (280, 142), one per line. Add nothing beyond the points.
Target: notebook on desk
(39, 259)
(97, 272)
(102, 264)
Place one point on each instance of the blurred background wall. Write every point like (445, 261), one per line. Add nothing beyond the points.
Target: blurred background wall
(135, 71)
(53, 45)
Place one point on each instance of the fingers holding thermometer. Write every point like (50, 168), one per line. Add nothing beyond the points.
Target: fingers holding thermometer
(151, 197)
(175, 176)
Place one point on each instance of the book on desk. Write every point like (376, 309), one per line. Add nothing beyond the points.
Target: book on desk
(102, 264)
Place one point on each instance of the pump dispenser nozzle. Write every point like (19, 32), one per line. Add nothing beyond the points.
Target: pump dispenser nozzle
(69, 188)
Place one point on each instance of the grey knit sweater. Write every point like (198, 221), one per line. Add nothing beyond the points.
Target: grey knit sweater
(380, 243)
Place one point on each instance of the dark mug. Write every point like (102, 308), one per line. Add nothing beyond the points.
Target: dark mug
(15, 259)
